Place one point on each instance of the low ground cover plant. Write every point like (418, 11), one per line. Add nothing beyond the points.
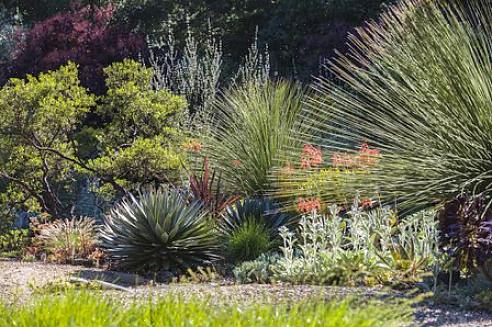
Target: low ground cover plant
(85, 309)
(361, 248)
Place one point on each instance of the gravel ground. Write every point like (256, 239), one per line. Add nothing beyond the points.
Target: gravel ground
(18, 279)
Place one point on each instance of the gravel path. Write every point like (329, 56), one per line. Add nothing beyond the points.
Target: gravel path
(17, 280)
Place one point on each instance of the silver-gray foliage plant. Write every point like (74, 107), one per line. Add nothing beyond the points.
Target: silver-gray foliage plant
(363, 247)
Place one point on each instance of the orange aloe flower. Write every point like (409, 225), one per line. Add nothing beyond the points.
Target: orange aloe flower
(311, 156)
(308, 205)
(194, 146)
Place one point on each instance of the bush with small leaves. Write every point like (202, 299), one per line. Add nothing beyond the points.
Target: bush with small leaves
(13, 242)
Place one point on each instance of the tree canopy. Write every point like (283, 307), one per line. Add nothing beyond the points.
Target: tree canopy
(46, 143)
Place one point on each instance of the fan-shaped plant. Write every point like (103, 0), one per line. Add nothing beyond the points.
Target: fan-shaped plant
(159, 230)
(253, 214)
(409, 115)
(247, 130)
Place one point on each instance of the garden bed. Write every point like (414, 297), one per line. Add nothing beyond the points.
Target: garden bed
(19, 280)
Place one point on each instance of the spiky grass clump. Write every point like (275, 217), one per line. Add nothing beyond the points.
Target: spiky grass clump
(251, 227)
(415, 87)
(68, 239)
(247, 129)
(248, 241)
(261, 210)
(159, 230)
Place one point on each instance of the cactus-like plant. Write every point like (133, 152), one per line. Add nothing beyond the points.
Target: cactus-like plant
(159, 230)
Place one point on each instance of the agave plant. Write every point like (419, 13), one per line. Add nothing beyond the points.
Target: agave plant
(159, 230)
(259, 215)
(247, 130)
(408, 115)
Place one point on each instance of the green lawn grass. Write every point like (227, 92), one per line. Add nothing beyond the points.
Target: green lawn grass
(89, 309)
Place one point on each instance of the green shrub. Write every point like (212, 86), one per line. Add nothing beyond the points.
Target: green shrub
(13, 242)
(39, 116)
(53, 134)
(247, 130)
(84, 309)
(248, 241)
(159, 230)
(140, 143)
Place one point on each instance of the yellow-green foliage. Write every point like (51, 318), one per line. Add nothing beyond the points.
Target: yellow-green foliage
(35, 114)
(142, 141)
(86, 309)
(45, 144)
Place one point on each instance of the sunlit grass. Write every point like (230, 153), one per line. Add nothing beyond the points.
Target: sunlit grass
(86, 309)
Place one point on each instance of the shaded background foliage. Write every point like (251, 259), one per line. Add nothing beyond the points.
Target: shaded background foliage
(299, 33)
(83, 34)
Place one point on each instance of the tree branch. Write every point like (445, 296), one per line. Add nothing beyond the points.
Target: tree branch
(29, 189)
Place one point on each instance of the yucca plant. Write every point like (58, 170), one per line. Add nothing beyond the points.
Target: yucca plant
(408, 115)
(247, 129)
(159, 230)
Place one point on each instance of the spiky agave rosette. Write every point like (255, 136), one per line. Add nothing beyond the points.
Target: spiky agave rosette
(416, 86)
(159, 230)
